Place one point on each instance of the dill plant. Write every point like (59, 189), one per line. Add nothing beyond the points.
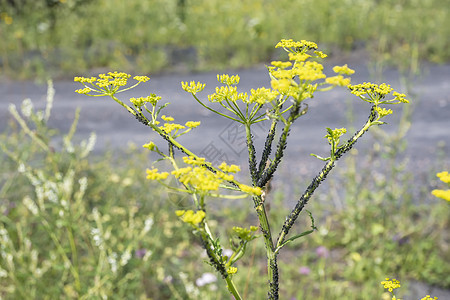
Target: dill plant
(293, 83)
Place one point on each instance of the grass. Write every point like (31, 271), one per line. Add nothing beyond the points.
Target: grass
(73, 36)
(76, 226)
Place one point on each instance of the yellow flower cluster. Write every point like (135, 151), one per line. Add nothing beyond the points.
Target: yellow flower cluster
(228, 80)
(400, 97)
(338, 80)
(256, 191)
(376, 93)
(382, 112)
(298, 56)
(154, 175)
(428, 297)
(306, 71)
(150, 146)
(262, 95)
(320, 54)
(85, 79)
(198, 177)
(112, 79)
(84, 91)
(232, 270)
(141, 78)
(107, 84)
(244, 233)
(167, 119)
(310, 71)
(190, 217)
(334, 135)
(443, 194)
(169, 127)
(138, 102)
(370, 89)
(390, 285)
(192, 124)
(229, 168)
(343, 70)
(193, 87)
(281, 64)
(444, 177)
(191, 160)
(290, 43)
(227, 93)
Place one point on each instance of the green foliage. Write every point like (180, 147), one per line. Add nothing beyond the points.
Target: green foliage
(149, 36)
(80, 228)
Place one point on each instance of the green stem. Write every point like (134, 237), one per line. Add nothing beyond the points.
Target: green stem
(267, 148)
(290, 220)
(272, 271)
(268, 173)
(232, 288)
(251, 154)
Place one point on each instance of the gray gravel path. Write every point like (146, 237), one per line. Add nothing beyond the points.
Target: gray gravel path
(115, 127)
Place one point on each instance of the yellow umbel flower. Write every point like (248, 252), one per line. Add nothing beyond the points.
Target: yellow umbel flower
(428, 297)
(302, 45)
(229, 168)
(84, 91)
(283, 86)
(227, 93)
(169, 127)
(228, 80)
(382, 112)
(343, 70)
(310, 71)
(400, 97)
(141, 78)
(191, 160)
(190, 217)
(192, 124)
(250, 190)
(109, 84)
(181, 171)
(142, 100)
(262, 95)
(443, 194)
(390, 285)
(298, 56)
(370, 89)
(84, 79)
(320, 54)
(150, 146)
(281, 64)
(193, 87)
(154, 175)
(338, 80)
(165, 118)
(444, 176)
(374, 93)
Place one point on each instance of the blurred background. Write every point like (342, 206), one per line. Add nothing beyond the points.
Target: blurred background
(65, 37)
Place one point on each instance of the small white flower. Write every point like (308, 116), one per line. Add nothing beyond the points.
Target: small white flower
(206, 278)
